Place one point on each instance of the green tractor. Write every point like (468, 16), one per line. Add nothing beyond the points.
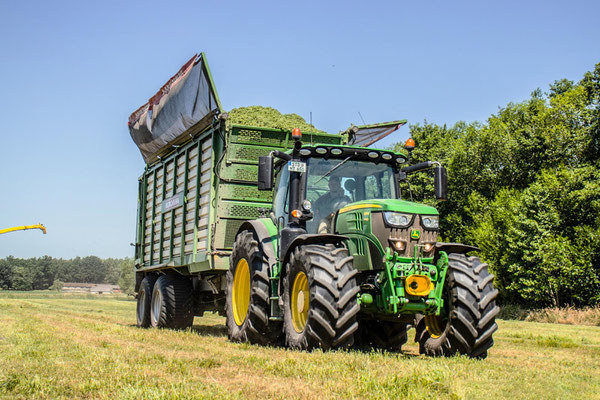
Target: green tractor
(341, 260)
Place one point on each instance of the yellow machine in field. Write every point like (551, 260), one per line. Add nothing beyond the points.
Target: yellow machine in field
(23, 228)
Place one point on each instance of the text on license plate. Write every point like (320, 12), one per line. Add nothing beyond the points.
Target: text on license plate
(296, 166)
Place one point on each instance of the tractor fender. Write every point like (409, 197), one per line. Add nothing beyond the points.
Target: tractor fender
(302, 240)
(265, 240)
(312, 239)
(454, 248)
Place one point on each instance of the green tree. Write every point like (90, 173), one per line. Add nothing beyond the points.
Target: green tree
(113, 270)
(524, 187)
(57, 285)
(544, 241)
(6, 273)
(44, 272)
(127, 276)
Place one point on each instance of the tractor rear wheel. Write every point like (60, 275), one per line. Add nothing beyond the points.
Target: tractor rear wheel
(319, 298)
(144, 300)
(385, 335)
(470, 318)
(247, 306)
(172, 303)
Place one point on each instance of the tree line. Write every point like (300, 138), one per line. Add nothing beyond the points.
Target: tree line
(525, 188)
(50, 273)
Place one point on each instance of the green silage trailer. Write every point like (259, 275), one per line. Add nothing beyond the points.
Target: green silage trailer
(200, 182)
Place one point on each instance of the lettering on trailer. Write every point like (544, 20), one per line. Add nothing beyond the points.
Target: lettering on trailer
(172, 202)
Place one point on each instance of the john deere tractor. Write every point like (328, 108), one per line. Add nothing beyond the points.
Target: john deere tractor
(342, 260)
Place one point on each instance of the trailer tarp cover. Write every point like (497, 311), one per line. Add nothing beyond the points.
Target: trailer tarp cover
(187, 99)
(366, 135)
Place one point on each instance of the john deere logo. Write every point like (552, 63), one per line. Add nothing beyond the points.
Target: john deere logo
(415, 234)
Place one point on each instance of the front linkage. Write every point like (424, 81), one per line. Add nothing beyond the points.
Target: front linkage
(454, 301)
(410, 287)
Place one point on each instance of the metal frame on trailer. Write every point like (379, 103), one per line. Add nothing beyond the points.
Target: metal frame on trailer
(148, 259)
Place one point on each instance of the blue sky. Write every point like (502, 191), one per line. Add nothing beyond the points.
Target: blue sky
(71, 72)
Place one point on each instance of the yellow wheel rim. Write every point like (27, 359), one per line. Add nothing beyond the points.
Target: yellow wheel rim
(434, 325)
(300, 303)
(241, 291)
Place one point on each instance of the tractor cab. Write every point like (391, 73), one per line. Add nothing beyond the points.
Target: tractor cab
(352, 191)
(333, 181)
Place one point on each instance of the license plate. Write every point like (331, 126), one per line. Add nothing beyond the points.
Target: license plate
(297, 166)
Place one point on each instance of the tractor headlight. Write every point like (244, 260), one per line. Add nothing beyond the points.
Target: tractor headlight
(306, 205)
(398, 220)
(430, 221)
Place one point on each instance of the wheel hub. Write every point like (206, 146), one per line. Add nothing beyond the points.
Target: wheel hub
(140, 305)
(435, 325)
(156, 305)
(300, 302)
(241, 291)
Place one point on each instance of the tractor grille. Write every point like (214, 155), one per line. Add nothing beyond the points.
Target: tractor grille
(358, 221)
(385, 233)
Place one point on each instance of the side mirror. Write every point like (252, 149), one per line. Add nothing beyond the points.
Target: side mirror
(265, 173)
(440, 181)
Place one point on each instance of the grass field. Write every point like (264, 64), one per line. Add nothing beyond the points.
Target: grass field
(54, 346)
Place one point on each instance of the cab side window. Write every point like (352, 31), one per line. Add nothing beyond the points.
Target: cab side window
(280, 199)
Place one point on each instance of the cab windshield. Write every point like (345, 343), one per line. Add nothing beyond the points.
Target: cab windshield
(332, 184)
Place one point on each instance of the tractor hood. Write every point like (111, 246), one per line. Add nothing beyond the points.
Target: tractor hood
(391, 205)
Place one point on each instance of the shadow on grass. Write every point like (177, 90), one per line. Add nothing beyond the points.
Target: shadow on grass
(202, 330)
(221, 331)
(210, 330)
(374, 350)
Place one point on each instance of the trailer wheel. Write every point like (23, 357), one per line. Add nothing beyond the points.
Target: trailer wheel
(172, 303)
(319, 298)
(385, 335)
(144, 300)
(470, 318)
(247, 306)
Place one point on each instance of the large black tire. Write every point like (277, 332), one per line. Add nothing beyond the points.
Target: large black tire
(470, 319)
(384, 335)
(326, 315)
(253, 324)
(144, 300)
(172, 303)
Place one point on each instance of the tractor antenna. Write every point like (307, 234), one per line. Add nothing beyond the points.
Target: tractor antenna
(363, 120)
(311, 135)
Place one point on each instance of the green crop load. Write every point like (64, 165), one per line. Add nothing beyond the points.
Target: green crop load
(268, 117)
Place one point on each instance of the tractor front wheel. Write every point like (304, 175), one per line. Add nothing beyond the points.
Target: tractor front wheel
(247, 305)
(319, 298)
(469, 321)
